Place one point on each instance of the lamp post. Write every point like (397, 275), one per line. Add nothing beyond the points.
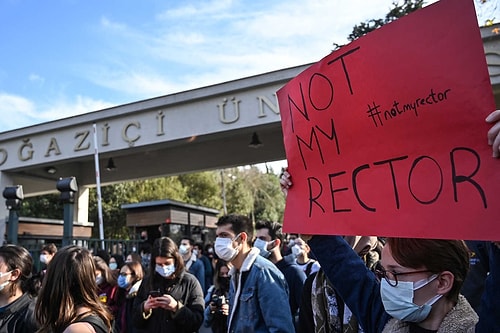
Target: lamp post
(14, 197)
(68, 187)
(223, 187)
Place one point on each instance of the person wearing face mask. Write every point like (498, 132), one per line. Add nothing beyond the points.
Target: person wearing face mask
(191, 262)
(129, 281)
(301, 251)
(268, 239)
(420, 281)
(46, 254)
(418, 286)
(115, 263)
(170, 299)
(107, 286)
(17, 301)
(258, 292)
(216, 300)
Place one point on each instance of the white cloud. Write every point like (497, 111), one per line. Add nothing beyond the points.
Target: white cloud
(66, 108)
(36, 78)
(12, 104)
(202, 9)
(17, 111)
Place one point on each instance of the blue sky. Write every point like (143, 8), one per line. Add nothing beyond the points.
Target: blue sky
(62, 58)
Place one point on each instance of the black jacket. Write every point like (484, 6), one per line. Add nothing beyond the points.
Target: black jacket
(185, 289)
(19, 316)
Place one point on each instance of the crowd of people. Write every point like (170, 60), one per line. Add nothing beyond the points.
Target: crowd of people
(254, 278)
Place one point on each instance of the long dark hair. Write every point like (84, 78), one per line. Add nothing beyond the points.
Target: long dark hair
(164, 247)
(17, 257)
(69, 284)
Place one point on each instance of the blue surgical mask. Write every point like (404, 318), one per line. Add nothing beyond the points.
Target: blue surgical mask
(113, 265)
(398, 300)
(166, 270)
(123, 282)
(262, 246)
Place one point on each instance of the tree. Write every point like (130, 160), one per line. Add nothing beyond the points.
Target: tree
(202, 189)
(398, 11)
(46, 206)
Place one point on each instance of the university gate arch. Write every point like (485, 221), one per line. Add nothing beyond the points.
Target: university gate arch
(195, 130)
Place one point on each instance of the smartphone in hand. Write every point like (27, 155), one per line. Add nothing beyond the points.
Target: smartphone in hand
(155, 293)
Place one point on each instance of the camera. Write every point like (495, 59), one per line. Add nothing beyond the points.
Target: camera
(218, 300)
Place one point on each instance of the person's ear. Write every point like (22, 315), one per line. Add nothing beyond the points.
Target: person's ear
(243, 237)
(445, 280)
(15, 274)
(274, 244)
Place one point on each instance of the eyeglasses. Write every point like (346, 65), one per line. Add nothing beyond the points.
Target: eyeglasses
(392, 277)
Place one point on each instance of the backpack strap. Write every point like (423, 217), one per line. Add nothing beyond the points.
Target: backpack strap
(309, 267)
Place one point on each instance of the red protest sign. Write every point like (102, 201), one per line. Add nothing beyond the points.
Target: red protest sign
(387, 135)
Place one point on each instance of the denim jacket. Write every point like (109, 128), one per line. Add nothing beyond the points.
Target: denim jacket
(261, 304)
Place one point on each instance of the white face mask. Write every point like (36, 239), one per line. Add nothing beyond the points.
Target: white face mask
(3, 285)
(166, 270)
(195, 252)
(262, 246)
(398, 300)
(43, 258)
(296, 250)
(183, 249)
(224, 248)
(99, 279)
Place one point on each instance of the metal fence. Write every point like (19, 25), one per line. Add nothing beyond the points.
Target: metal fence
(111, 246)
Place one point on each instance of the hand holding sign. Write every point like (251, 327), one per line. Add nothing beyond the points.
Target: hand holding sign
(494, 132)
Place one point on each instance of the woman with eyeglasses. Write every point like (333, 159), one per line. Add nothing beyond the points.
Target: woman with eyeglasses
(129, 281)
(419, 282)
(418, 291)
(416, 288)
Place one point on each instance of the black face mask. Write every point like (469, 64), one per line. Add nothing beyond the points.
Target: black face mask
(224, 282)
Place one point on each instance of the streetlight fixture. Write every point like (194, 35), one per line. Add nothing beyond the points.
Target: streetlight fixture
(14, 197)
(68, 187)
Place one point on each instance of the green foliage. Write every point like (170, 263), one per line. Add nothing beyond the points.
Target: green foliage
(202, 189)
(396, 12)
(45, 206)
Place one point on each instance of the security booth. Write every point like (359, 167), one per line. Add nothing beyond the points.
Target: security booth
(153, 219)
